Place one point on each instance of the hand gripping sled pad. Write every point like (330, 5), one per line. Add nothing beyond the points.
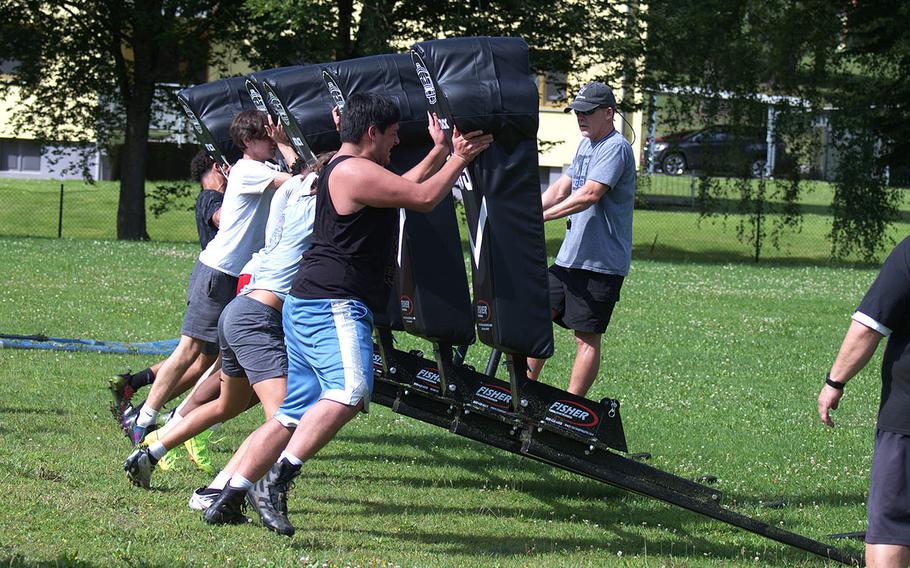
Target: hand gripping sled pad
(431, 287)
(482, 83)
(300, 93)
(210, 108)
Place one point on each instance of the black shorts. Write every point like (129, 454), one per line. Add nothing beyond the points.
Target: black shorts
(583, 300)
(888, 506)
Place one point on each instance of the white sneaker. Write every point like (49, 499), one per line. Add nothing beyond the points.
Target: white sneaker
(202, 498)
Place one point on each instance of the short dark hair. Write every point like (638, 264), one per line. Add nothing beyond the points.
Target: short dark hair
(249, 125)
(200, 165)
(363, 110)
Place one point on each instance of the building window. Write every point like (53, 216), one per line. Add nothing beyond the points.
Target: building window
(19, 156)
(552, 88)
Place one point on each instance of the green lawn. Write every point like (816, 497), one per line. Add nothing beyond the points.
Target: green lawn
(717, 365)
(31, 208)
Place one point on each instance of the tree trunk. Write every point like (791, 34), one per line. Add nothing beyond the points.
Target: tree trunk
(138, 88)
(131, 209)
(345, 17)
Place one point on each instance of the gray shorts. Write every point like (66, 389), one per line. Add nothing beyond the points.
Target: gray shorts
(252, 341)
(209, 292)
(888, 506)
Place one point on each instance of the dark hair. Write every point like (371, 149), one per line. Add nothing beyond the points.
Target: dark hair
(200, 165)
(363, 110)
(249, 125)
(301, 167)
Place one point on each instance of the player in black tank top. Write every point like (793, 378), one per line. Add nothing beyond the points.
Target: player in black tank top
(351, 254)
(356, 215)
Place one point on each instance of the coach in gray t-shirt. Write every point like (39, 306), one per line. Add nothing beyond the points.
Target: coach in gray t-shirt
(596, 196)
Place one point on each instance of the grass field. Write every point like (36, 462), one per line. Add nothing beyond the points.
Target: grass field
(717, 365)
(31, 208)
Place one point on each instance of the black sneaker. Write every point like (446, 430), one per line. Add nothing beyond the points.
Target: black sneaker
(138, 467)
(228, 508)
(269, 497)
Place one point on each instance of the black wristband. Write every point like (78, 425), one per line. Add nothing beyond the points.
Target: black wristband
(834, 384)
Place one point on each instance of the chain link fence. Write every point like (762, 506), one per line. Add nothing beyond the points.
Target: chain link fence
(669, 224)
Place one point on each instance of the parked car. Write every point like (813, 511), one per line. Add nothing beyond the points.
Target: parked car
(715, 149)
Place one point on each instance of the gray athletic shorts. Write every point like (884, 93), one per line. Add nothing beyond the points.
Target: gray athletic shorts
(888, 506)
(209, 292)
(252, 341)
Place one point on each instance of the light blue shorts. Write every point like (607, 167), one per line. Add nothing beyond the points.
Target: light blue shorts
(330, 355)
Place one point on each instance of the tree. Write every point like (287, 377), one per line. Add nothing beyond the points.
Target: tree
(88, 71)
(564, 37)
(852, 60)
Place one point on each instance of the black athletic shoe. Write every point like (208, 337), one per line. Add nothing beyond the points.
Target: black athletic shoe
(138, 467)
(227, 509)
(269, 497)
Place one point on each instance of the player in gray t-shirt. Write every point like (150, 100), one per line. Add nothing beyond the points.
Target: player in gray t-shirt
(596, 196)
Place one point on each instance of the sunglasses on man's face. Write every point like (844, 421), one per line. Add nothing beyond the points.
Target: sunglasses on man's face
(587, 112)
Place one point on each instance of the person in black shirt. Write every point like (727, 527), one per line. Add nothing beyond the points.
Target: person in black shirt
(883, 312)
(213, 180)
(341, 281)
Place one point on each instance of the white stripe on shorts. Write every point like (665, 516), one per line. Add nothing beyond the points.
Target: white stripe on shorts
(355, 385)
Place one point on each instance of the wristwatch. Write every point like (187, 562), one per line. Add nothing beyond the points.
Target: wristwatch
(834, 384)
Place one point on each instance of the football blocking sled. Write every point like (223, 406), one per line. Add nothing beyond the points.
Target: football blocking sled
(483, 83)
(210, 107)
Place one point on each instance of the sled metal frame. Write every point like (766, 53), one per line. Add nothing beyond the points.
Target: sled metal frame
(520, 424)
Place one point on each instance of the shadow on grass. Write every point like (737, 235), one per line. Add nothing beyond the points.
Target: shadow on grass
(559, 500)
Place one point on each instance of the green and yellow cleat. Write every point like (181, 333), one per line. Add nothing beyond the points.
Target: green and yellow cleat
(198, 450)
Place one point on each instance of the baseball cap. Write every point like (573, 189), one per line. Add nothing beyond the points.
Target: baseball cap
(592, 95)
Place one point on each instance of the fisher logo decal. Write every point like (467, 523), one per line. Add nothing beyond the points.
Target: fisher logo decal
(279, 109)
(427, 379)
(407, 305)
(493, 396)
(334, 90)
(572, 414)
(482, 310)
(428, 89)
(194, 122)
(377, 365)
(256, 97)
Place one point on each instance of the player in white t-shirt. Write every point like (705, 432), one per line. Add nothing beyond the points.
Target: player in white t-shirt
(213, 282)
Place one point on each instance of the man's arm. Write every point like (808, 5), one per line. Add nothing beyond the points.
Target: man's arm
(277, 134)
(580, 199)
(435, 158)
(558, 190)
(216, 218)
(858, 347)
(362, 183)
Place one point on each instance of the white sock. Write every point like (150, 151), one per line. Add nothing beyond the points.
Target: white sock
(290, 457)
(220, 480)
(157, 450)
(239, 482)
(216, 427)
(147, 417)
